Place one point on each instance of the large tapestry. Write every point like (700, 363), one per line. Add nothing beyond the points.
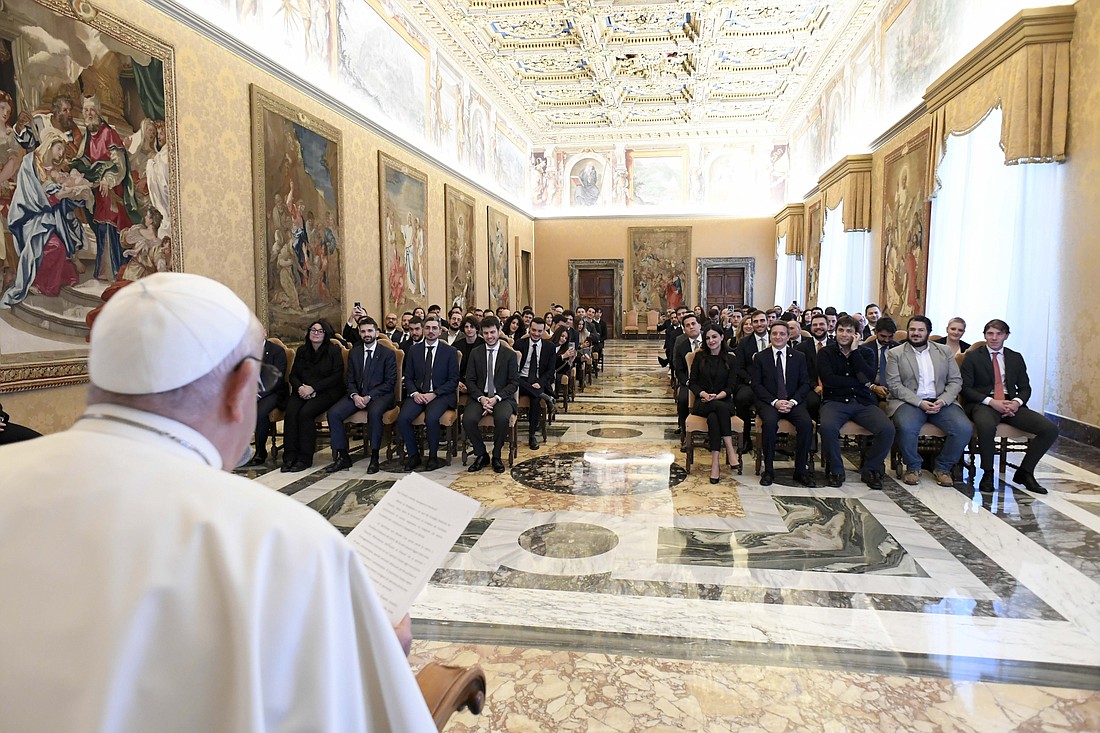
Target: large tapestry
(88, 178)
(403, 204)
(498, 259)
(659, 258)
(813, 253)
(461, 269)
(906, 213)
(299, 248)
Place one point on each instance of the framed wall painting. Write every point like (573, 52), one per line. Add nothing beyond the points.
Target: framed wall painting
(461, 260)
(658, 267)
(403, 214)
(906, 214)
(60, 63)
(498, 259)
(298, 217)
(814, 224)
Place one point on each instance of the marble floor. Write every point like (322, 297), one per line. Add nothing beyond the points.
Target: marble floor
(603, 587)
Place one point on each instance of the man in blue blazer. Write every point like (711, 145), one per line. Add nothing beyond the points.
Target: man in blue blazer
(372, 382)
(431, 388)
(780, 382)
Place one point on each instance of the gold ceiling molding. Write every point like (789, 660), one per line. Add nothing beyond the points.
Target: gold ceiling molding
(850, 181)
(1023, 68)
(790, 222)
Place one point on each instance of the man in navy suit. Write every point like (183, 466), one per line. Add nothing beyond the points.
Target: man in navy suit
(372, 381)
(491, 382)
(536, 375)
(781, 381)
(747, 348)
(819, 339)
(431, 386)
(989, 402)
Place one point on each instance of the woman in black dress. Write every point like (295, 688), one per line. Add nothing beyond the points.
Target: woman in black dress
(713, 380)
(316, 383)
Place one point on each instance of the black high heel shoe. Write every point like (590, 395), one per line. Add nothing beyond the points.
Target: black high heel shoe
(715, 480)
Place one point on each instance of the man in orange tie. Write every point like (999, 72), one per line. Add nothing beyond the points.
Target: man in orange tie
(995, 390)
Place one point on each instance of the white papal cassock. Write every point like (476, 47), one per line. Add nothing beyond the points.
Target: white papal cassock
(143, 590)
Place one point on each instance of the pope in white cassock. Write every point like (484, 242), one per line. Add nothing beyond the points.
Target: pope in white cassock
(145, 588)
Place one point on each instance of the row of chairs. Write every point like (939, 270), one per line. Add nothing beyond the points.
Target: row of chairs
(632, 323)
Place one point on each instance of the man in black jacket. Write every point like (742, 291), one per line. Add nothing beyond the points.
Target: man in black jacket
(810, 347)
(747, 348)
(12, 433)
(781, 382)
(689, 341)
(275, 396)
(846, 371)
(491, 382)
(536, 375)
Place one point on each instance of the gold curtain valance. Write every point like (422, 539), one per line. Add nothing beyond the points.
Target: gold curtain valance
(1023, 68)
(850, 181)
(790, 223)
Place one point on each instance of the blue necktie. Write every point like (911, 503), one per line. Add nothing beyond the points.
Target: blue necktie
(882, 366)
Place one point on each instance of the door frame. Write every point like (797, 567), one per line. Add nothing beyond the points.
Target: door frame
(702, 264)
(599, 264)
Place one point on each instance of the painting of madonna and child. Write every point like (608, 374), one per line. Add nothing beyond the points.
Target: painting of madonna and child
(85, 175)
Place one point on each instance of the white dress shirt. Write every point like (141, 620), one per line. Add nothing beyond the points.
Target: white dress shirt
(926, 374)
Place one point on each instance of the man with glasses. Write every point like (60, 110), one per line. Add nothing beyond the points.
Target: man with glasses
(204, 601)
(431, 388)
(372, 382)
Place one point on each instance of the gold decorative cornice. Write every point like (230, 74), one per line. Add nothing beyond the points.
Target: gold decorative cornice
(790, 222)
(850, 181)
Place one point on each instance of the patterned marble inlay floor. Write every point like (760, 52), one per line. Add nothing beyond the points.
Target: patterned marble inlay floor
(604, 587)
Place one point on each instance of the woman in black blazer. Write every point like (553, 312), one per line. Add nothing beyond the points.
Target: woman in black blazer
(713, 380)
(316, 383)
(956, 327)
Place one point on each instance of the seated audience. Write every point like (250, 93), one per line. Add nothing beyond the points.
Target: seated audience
(431, 388)
(12, 433)
(846, 371)
(780, 383)
(924, 381)
(690, 340)
(956, 328)
(391, 331)
(316, 382)
(747, 348)
(884, 341)
(871, 314)
(565, 352)
(713, 380)
(414, 332)
(350, 334)
(273, 397)
(371, 386)
(996, 389)
(673, 330)
(491, 381)
(810, 348)
(536, 376)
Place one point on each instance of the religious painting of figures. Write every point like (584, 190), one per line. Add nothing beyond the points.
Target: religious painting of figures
(498, 259)
(906, 214)
(296, 189)
(656, 179)
(88, 179)
(461, 269)
(920, 38)
(659, 258)
(403, 204)
(814, 225)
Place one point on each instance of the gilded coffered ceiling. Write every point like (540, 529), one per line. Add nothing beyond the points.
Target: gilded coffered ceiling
(594, 70)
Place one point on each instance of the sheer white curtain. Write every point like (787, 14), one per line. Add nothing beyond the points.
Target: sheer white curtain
(845, 265)
(789, 285)
(995, 242)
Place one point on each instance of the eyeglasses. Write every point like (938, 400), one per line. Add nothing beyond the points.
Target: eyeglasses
(316, 330)
(269, 373)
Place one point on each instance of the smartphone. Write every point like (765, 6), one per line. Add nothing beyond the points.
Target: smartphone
(358, 305)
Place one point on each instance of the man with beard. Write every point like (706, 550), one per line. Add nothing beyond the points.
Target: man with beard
(748, 347)
(688, 341)
(414, 332)
(924, 382)
(59, 118)
(392, 332)
(810, 347)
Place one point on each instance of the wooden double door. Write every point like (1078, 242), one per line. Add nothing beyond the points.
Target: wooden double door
(725, 286)
(596, 289)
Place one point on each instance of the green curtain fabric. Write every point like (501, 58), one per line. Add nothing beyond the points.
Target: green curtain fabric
(150, 85)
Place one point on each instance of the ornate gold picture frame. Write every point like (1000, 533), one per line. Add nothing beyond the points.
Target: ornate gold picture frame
(403, 215)
(461, 256)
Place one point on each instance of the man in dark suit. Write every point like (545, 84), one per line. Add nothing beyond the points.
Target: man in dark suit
(599, 328)
(393, 333)
(536, 375)
(414, 333)
(491, 382)
(275, 396)
(431, 388)
(673, 328)
(687, 342)
(747, 348)
(372, 384)
(350, 331)
(780, 382)
(12, 433)
(884, 341)
(810, 347)
(997, 391)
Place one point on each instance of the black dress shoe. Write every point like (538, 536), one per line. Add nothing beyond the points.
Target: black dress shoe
(805, 478)
(412, 463)
(835, 480)
(746, 445)
(372, 467)
(767, 478)
(288, 463)
(300, 466)
(1027, 480)
(258, 460)
(987, 484)
(533, 443)
(479, 463)
(873, 479)
(715, 480)
(498, 465)
(433, 463)
(342, 463)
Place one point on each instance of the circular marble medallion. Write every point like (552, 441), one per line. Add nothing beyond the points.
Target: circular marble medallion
(614, 433)
(568, 540)
(599, 473)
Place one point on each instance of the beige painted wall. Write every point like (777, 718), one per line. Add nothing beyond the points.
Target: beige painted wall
(214, 142)
(560, 240)
(1074, 373)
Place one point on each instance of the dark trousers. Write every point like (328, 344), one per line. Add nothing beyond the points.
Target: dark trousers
(13, 433)
(432, 412)
(681, 406)
(300, 425)
(264, 408)
(804, 433)
(986, 419)
(745, 400)
(345, 408)
(813, 405)
(871, 417)
(534, 412)
(718, 414)
(473, 414)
